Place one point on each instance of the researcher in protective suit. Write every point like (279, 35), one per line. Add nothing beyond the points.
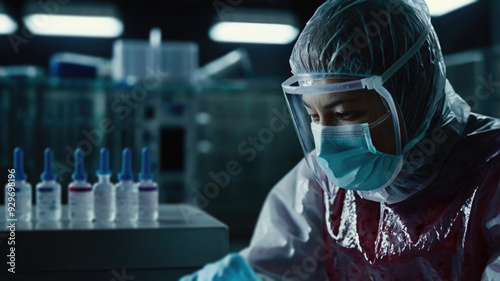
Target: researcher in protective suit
(400, 181)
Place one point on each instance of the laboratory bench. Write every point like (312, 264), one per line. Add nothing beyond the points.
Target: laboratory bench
(182, 240)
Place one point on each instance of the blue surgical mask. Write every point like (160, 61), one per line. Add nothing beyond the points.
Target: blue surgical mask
(349, 159)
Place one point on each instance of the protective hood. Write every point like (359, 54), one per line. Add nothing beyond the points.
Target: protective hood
(367, 38)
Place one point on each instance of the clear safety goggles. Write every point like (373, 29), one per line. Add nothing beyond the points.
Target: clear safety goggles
(310, 95)
(300, 89)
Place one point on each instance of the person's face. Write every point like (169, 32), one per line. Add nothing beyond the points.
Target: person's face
(354, 107)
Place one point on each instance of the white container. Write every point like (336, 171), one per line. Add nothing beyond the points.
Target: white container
(104, 191)
(48, 192)
(127, 195)
(48, 201)
(149, 64)
(80, 201)
(148, 190)
(127, 201)
(18, 194)
(148, 200)
(104, 203)
(80, 193)
(21, 202)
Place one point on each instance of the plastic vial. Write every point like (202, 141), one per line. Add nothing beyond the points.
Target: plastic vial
(48, 193)
(127, 197)
(104, 191)
(20, 192)
(80, 195)
(148, 190)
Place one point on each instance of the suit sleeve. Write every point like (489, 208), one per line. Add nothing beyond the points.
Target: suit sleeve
(287, 243)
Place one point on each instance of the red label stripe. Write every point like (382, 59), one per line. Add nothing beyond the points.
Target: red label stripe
(80, 189)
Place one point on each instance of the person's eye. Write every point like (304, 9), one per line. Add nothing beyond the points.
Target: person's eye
(314, 118)
(346, 116)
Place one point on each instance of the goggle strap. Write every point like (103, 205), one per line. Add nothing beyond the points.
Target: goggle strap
(380, 120)
(411, 52)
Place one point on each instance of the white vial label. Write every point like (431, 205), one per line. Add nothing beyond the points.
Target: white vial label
(81, 203)
(148, 203)
(21, 204)
(48, 203)
(104, 205)
(127, 205)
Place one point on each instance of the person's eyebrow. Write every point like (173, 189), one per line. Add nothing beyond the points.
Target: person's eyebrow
(332, 104)
(337, 102)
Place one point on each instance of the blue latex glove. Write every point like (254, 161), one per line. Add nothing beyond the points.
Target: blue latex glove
(231, 267)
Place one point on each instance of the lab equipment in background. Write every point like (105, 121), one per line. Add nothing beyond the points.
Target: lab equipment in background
(153, 93)
(163, 121)
(71, 65)
(48, 192)
(22, 194)
(235, 64)
(104, 191)
(73, 112)
(21, 90)
(155, 61)
(474, 75)
(80, 194)
(243, 122)
(148, 190)
(127, 197)
(70, 112)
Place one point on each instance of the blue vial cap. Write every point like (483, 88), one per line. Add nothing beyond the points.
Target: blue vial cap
(79, 173)
(48, 172)
(18, 164)
(104, 163)
(146, 165)
(126, 173)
